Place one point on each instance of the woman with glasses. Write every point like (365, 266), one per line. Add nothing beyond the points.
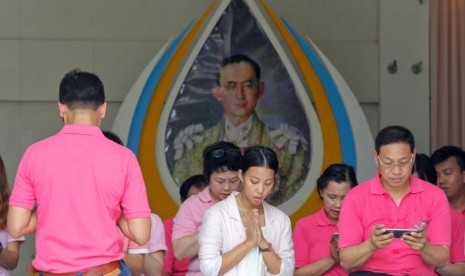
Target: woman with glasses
(316, 236)
(221, 162)
(244, 235)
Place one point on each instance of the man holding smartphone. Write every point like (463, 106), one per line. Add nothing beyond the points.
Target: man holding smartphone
(394, 198)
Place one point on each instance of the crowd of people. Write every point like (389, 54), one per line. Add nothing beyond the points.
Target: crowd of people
(83, 194)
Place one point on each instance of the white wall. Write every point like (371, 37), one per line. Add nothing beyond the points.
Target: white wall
(41, 40)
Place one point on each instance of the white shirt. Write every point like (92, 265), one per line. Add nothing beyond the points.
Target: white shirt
(222, 230)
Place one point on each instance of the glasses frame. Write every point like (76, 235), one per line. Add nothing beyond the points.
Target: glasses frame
(249, 87)
(394, 164)
(218, 153)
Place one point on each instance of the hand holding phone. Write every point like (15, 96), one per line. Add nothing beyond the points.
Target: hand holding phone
(399, 232)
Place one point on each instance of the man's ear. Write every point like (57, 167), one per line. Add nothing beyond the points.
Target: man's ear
(62, 109)
(102, 110)
(217, 93)
(375, 157)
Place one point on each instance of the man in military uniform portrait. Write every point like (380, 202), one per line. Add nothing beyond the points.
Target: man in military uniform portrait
(238, 90)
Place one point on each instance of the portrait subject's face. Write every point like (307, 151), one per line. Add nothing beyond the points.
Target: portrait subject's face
(239, 90)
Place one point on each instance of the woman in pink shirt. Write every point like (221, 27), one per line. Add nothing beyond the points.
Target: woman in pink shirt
(244, 235)
(315, 237)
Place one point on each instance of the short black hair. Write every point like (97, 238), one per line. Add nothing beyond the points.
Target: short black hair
(219, 157)
(424, 168)
(112, 136)
(197, 181)
(81, 90)
(259, 156)
(237, 59)
(337, 173)
(394, 134)
(443, 153)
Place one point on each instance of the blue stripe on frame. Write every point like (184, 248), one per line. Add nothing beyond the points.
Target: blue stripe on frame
(148, 90)
(340, 113)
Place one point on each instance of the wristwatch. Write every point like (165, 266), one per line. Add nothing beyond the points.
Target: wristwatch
(265, 249)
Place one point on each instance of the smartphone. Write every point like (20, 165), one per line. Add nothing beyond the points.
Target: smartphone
(398, 232)
(336, 234)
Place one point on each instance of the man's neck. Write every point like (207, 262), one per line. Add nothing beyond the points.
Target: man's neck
(237, 120)
(397, 193)
(458, 203)
(80, 117)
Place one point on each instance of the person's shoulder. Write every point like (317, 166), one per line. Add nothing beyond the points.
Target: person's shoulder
(193, 138)
(307, 220)
(289, 138)
(155, 219)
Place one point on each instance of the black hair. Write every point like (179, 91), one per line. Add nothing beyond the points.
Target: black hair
(259, 156)
(112, 136)
(444, 153)
(337, 173)
(81, 90)
(219, 157)
(394, 134)
(197, 181)
(237, 59)
(424, 168)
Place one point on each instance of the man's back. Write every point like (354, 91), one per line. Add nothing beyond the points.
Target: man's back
(81, 182)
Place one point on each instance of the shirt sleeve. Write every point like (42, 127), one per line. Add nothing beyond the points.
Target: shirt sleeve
(350, 224)
(300, 244)
(134, 201)
(210, 241)
(184, 223)
(285, 248)
(23, 194)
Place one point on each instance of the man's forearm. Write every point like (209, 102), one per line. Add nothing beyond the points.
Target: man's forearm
(456, 269)
(21, 221)
(186, 247)
(357, 255)
(136, 229)
(435, 255)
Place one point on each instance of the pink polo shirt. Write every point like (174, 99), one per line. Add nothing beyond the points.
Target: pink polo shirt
(312, 241)
(369, 204)
(81, 183)
(170, 264)
(188, 221)
(457, 247)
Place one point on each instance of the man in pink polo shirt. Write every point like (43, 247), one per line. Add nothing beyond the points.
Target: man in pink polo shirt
(221, 162)
(74, 188)
(449, 163)
(394, 198)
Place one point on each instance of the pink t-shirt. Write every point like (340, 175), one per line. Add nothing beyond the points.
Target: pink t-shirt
(457, 247)
(170, 264)
(188, 221)
(369, 204)
(312, 241)
(156, 242)
(81, 183)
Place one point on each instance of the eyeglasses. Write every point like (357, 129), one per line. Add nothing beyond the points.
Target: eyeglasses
(249, 87)
(402, 163)
(218, 153)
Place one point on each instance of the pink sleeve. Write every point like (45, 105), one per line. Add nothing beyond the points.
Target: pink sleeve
(350, 225)
(184, 224)
(439, 227)
(134, 201)
(301, 245)
(168, 261)
(23, 195)
(457, 248)
(157, 235)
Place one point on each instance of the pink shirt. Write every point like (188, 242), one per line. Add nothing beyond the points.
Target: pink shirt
(156, 242)
(188, 221)
(457, 247)
(369, 204)
(312, 241)
(81, 183)
(170, 264)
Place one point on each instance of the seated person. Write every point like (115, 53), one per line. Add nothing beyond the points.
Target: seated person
(192, 186)
(318, 254)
